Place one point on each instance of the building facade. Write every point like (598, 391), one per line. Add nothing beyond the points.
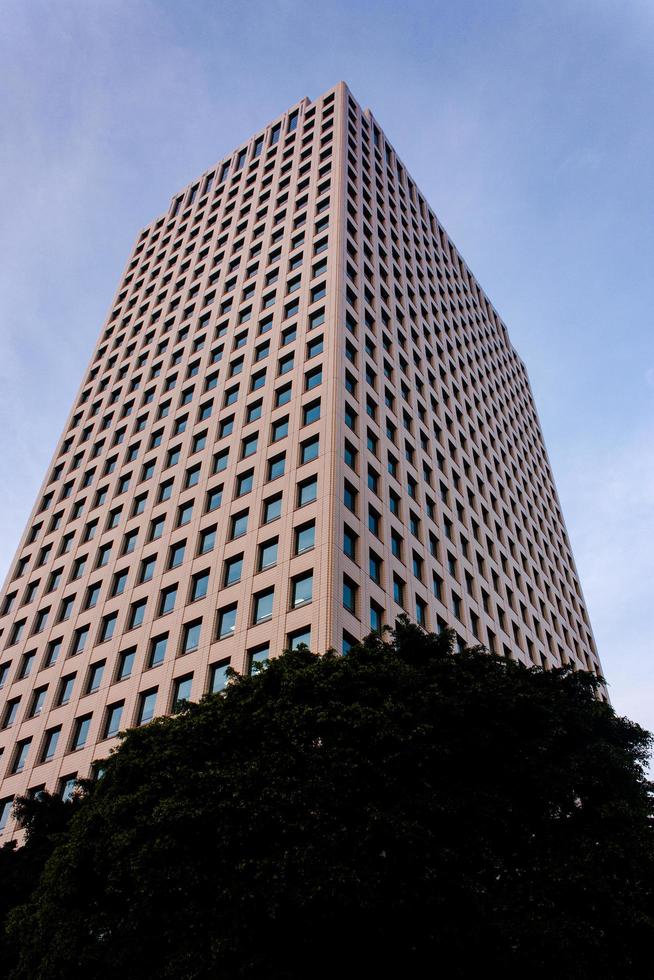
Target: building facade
(302, 418)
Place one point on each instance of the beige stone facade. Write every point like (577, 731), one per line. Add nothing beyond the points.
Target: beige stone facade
(302, 418)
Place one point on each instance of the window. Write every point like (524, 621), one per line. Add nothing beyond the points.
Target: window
(191, 636)
(125, 664)
(220, 461)
(309, 449)
(38, 702)
(146, 572)
(66, 787)
(267, 554)
(301, 589)
(350, 455)
(226, 621)
(207, 540)
(192, 477)
(350, 542)
(26, 664)
(244, 483)
(199, 585)
(350, 590)
(312, 379)
(94, 678)
(304, 537)
(176, 554)
(272, 508)
(311, 412)
(307, 491)
(315, 347)
(376, 616)
(283, 395)
(218, 676)
(66, 685)
(129, 542)
(158, 647)
(167, 600)
(21, 753)
(136, 613)
(113, 716)
(214, 498)
(276, 466)
(263, 605)
(257, 656)
(156, 528)
(398, 590)
(147, 703)
(5, 811)
(80, 732)
(350, 495)
(232, 570)
(79, 640)
(182, 691)
(107, 627)
(238, 525)
(279, 429)
(184, 513)
(375, 567)
(50, 741)
(10, 713)
(298, 638)
(249, 445)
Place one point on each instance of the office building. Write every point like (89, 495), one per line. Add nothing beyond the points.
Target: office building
(302, 418)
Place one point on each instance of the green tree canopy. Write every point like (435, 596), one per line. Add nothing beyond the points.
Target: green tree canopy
(401, 811)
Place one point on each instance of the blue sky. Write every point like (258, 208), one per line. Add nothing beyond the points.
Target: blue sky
(528, 125)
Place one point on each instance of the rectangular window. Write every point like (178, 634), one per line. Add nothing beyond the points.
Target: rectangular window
(307, 491)
(191, 636)
(232, 570)
(311, 412)
(125, 664)
(167, 600)
(350, 590)
(299, 638)
(147, 704)
(350, 542)
(113, 717)
(218, 676)
(157, 650)
(226, 621)
(257, 656)
(21, 752)
(80, 732)
(301, 589)
(214, 498)
(304, 537)
(276, 466)
(376, 616)
(199, 585)
(182, 691)
(309, 449)
(66, 685)
(263, 605)
(94, 678)
(272, 508)
(267, 554)
(244, 483)
(107, 627)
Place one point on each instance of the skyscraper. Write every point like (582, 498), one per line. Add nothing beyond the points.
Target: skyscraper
(302, 418)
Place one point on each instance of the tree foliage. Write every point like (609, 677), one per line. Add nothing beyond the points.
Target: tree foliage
(373, 813)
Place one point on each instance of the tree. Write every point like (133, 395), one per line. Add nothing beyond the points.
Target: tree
(366, 814)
